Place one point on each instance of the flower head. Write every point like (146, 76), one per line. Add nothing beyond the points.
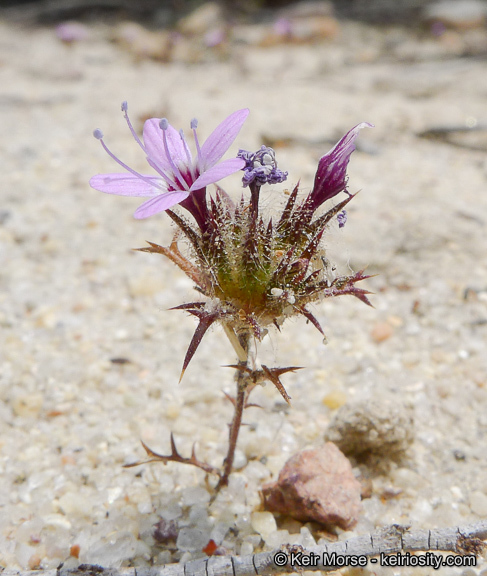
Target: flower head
(331, 176)
(167, 152)
(261, 167)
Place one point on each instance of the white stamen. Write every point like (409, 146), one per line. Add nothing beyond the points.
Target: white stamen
(140, 176)
(125, 107)
(194, 124)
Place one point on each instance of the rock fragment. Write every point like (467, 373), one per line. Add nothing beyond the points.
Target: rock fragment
(316, 485)
(378, 426)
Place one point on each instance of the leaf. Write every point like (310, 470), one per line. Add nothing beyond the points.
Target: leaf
(273, 374)
(190, 234)
(311, 248)
(323, 220)
(285, 219)
(307, 314)
(283, 266)
(206, 320)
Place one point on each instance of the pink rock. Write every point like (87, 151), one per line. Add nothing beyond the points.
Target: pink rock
(316, 485)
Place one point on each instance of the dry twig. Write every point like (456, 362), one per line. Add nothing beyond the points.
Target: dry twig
(462, 540)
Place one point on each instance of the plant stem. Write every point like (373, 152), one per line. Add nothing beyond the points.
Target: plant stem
(242, 382)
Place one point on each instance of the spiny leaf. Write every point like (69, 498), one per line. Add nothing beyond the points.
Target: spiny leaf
(177, 258)
(302, 216)
(323, 220)
(344, 285)
(220, 212)
(250, 255)
(190, 234)
(361, 295)
(232, 399)
(311, 248)
(311, 278)
(175, 456)
(206, 320)
(283, 266)
(174, 451)
(151, 452)
(225, 198)
(307, 314)
(285, 219)
(239, 208)
(189, 306)
(297, 271)
(267, 244)
(273, 375)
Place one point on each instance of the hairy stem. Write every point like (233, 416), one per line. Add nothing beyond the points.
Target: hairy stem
(242, 382)
(233, 437)
(235, 342)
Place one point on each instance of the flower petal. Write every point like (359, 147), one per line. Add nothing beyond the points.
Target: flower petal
(330, 178)
(221, 138)
(126, 184)
(218, 172)
(160, 203)
(154, 145)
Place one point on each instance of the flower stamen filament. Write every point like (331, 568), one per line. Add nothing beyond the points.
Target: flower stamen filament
(99, 136)
(164, 124)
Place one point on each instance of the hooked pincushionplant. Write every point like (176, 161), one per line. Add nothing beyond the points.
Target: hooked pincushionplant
(252, 272)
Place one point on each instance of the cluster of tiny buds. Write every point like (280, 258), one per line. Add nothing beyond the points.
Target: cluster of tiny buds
(261, 167)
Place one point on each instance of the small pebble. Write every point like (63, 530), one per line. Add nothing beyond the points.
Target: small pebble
(381, 331)
(264, 523)
(335, 399)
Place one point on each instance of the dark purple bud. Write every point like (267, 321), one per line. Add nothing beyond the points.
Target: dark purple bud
(331, 176)
(261, 167)
(342, 218)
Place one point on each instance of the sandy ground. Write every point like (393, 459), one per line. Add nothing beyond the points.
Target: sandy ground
(73, 295)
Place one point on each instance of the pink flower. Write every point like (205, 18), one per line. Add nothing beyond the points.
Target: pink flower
(167, 152)
(331, 176)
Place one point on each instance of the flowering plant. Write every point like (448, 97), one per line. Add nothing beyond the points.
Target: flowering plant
(252, 272)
